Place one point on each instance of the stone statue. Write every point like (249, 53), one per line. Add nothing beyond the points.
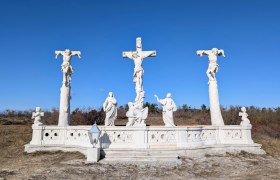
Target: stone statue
(168, 107)
(138, 57)
(65, 95)
(66, 67)
(136, 114)
(110, 108)
(37, 116)
(213, 67)
(244, 117)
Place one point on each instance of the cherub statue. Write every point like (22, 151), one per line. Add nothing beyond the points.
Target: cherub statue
(244, 117)
(213, 66)
(37, 116)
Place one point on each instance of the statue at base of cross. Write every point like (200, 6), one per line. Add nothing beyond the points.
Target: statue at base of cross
(136, 114)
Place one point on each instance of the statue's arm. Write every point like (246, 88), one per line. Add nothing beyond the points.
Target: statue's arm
(149, 53)
(202, 52)
(157, 98)
(114, 101)
(174, 106)
(76, 53)
(221, 52)
(128, 55)
(57, 53)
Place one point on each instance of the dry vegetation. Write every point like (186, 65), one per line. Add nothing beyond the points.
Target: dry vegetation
(15, 132)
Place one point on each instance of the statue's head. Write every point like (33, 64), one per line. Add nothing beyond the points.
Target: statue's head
(67, 51)
(215, 50)
(243, 109)
(37, 109)
(130, 104)
(110, 94)
(138, 42)
(169, 95)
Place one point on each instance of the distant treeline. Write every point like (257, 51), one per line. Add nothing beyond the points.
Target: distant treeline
(87, 116)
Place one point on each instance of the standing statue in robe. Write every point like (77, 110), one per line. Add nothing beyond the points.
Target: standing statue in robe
(110, 108)
(66, 67)
(168, 107)
(213, 66)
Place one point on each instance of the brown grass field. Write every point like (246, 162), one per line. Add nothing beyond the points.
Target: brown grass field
(15, 132)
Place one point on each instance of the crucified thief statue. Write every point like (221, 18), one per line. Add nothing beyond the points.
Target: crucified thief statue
(213, 66)
(138, 57)
(66, 67)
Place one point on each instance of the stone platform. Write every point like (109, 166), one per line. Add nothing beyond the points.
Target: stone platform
(154, 142)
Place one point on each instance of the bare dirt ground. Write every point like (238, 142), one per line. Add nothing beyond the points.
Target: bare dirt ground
(15, 164)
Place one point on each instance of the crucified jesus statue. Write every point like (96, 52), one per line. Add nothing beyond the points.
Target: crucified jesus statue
(66, 67)
(138, 57)
(213, 66)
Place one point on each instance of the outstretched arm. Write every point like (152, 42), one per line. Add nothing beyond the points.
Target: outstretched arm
(203, 52)
(57, 53)
(221, 52)
(148, 53)
(128, 55)
(157, 98)
(76, 53)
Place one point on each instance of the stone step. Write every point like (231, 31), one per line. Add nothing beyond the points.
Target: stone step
(139, 155)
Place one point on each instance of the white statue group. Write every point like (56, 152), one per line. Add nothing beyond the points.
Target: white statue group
(136, 113)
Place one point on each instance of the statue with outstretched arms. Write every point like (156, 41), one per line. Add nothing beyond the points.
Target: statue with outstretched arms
(66, 67)
(213, 66)
(138, 56)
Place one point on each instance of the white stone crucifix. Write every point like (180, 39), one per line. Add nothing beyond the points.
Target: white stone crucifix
(67, 70)
(138, 57)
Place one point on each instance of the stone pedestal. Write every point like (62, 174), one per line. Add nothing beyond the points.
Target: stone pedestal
(93, 154)
(215, 111)
(64, 110)
(37, 135)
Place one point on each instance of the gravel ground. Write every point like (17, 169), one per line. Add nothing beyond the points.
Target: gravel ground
(72, 166)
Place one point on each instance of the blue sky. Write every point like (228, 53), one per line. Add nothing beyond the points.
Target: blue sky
(30, 32)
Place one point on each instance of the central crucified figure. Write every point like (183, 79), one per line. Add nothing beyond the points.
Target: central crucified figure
(213, 66)
(138, 57)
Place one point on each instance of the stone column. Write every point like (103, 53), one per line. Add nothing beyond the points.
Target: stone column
(215, 110)
(64, 109)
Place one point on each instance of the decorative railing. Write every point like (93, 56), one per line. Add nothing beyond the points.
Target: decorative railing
(143, 137)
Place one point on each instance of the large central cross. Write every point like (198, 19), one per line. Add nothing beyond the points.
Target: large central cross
(138, 57)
